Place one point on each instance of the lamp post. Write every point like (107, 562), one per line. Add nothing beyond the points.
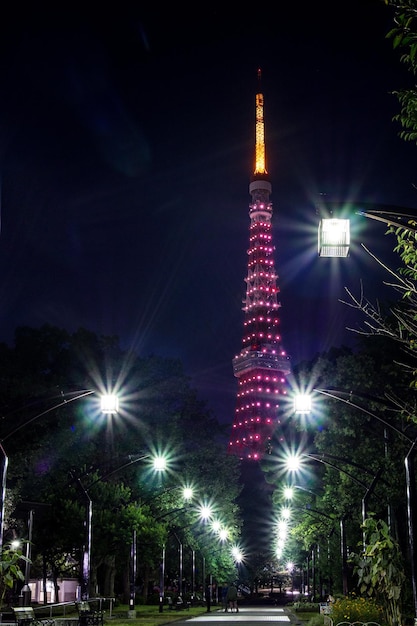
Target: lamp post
(3, 470)
(410, 477)
(158, 465)
(238, 558)
(187, 494)
(180, 563)
(343, 545)
(133, 568)
(26, 593)
(203, 513)
(5, 460)
(293, 464)
(162, 581)
(109, 406)
(86, 558)
(29, 509)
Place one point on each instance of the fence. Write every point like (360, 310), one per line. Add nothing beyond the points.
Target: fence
(329, 622)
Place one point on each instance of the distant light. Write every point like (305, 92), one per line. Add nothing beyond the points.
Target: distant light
(205, 512)
(216, 526)
(286, 514)
(334, 237)
(187, 493)
(288, 493)
(237, 554)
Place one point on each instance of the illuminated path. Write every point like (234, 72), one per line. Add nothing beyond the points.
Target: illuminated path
(253, 614)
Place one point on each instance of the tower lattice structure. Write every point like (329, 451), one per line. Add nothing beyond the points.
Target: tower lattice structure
(262, 366)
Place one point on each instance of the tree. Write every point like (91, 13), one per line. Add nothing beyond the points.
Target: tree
(11, 559)
(75, 442)
(404, 37)
(352, 449)
(399, 322)
(380, 569)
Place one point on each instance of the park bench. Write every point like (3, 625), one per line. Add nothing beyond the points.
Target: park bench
(88, 616)
(25, 616)
(179, 604)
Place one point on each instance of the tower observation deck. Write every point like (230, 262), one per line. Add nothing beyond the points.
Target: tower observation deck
(262, 366)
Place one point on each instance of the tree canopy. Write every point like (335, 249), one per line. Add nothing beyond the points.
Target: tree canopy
(61, 449)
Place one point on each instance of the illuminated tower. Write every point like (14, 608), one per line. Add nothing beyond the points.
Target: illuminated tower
(262, 366)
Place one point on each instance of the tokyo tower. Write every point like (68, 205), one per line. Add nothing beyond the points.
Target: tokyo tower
(262, 366)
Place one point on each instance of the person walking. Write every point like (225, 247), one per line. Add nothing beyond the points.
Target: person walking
(224, 598)
(208, 597)
(232, 598)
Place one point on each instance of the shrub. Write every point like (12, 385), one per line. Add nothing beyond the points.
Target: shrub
(355, 609)
(307, 607)
(317, 620)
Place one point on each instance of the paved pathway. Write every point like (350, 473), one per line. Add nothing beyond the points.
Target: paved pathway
(247, 614)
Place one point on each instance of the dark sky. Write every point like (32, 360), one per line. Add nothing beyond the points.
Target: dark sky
(126, 150)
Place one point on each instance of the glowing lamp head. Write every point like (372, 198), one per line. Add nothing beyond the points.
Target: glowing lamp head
(334, 237)
(302, 404)
(288, 493)
(109, 404)
(159, 464)
(293, 463)
(187, 493)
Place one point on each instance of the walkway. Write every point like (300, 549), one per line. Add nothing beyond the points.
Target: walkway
(247, 614)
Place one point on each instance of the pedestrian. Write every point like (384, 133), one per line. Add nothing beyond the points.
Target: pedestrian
(208, 598)
(232, 598)
(224, 598)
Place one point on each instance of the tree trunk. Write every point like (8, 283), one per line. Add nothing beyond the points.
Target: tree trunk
(145, 584)
(126, 581)
(109, 576)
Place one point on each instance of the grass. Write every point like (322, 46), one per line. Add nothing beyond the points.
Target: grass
(304, 616)
(149, 615)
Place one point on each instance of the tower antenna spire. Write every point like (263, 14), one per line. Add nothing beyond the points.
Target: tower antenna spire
(260, 154)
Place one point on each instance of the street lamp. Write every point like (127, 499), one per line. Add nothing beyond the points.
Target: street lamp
(289, 491)
(410, 477)
(200, 517)
(286, 514)
(205, 526)
(293, 464)
(334, 237)
(237, 555)
(159, 464)
(187, 494)
(65, 400)
(109, 406)
(334, 223)
(205, 513)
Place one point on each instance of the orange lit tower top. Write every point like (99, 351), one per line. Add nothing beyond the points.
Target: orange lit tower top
(262, 366)
(260, 155)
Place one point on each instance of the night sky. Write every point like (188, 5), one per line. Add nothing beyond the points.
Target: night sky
(126, 150)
